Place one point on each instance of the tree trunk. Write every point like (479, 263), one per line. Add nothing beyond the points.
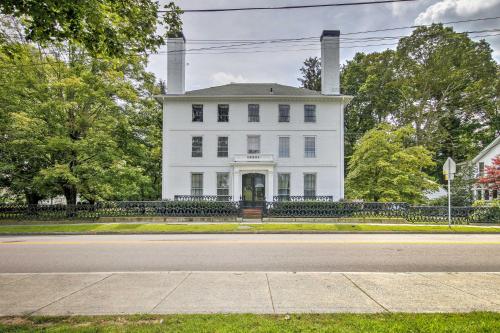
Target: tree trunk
(70, 194)
(32, 198)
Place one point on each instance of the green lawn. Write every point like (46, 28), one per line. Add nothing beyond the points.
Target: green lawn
(233, 227)
(342, 323)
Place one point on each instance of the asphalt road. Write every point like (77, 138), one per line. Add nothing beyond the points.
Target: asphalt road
(288, 253)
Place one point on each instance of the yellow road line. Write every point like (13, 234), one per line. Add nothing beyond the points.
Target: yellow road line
(196, 242)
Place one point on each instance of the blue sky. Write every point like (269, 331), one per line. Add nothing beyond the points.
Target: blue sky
(280, 62)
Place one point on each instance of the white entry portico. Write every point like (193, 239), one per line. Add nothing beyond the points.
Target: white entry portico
(253, 164)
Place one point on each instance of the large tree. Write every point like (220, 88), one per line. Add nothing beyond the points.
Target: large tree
(75, 126)
(387, 166)
(101, 27)
(442, 83)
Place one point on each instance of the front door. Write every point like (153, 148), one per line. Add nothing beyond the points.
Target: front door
(253, 189)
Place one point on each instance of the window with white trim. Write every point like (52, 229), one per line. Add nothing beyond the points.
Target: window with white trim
(222, 146)
(310, 146)
(197, 146)
(253, 113)
(223, 113)
(284, 146)
(284, 113)
(197, 113)
(310, 113)
(223, 184)
(309, 185)
(283, 184)
(196, 184)
(253, 144)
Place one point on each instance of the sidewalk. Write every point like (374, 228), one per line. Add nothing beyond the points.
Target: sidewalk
(246, 292)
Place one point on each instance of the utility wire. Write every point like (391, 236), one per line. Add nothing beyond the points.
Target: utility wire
(340, 4)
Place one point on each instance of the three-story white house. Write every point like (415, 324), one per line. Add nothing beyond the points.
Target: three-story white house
(253, 141)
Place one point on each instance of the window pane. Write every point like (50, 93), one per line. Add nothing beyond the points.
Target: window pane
(283, 184)
(222, 184)
(310, 113)
(197, 146)
(223, 113)
(310, 146)
(253, 144)
(284, 113)
(196, 184)
(253, 112)
(222, 146)
(284, 146)
(309, 185)
(197, 112)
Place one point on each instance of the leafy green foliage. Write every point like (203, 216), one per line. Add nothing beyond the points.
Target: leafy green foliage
(102, 27)
(440, 82)
(387, 166)
(77, 126)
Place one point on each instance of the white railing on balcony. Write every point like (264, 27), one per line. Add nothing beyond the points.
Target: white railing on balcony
(253, 157)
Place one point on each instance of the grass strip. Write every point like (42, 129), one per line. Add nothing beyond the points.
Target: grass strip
(340, 323)
(124, 228)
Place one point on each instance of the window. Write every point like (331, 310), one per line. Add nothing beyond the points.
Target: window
(222, 146)
(486, 194)
(253, 144)
(196, 184)
(479, 194)
(310, 113)
(223, 113)
(197, 146)
(198, 113)
(284, 146)
(284, 184)
(284, 113)
(309, 184)
(223, 185)
(310, 146)
(253, 113)
(481, 169)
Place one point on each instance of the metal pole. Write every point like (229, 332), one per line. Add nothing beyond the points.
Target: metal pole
(449, 201)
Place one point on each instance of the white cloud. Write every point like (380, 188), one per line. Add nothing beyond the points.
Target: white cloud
(221, 78)
(455, 8)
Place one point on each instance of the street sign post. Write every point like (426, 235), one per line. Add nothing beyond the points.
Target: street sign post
(449, 170)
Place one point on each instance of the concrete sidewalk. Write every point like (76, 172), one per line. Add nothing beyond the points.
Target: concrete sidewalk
(246, 292)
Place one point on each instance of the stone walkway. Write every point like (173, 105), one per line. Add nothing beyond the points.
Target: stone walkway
(246, 292)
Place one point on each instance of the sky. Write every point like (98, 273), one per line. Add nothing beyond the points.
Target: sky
(280, 62)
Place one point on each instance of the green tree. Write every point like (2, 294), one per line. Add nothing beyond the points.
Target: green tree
(102, 27)
(74, 127)
(371, 79)
(449, 91)
(311, 74)
(387, 166)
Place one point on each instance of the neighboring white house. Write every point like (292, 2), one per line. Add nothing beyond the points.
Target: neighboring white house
(480, 162)
(253, 141)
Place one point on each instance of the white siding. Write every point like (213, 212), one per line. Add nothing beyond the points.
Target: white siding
(178, 130)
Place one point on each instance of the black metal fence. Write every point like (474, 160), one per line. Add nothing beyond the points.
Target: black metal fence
(185, 207)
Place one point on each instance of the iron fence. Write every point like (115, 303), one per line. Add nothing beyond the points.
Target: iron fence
(302, 198)
(185, 207)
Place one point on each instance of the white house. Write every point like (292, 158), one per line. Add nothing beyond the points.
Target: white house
(253, 141)
(483, 159)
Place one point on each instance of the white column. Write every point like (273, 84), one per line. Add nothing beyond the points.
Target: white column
(236, 185)
(270, 185)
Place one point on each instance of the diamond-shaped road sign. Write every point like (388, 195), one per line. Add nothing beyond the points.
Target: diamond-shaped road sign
(449, 168)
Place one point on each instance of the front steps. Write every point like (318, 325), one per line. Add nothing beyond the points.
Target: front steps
(252, 213)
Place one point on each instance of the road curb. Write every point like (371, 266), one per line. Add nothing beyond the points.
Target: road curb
(246, 232)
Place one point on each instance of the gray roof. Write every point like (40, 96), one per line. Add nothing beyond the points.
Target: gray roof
(253, 89)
